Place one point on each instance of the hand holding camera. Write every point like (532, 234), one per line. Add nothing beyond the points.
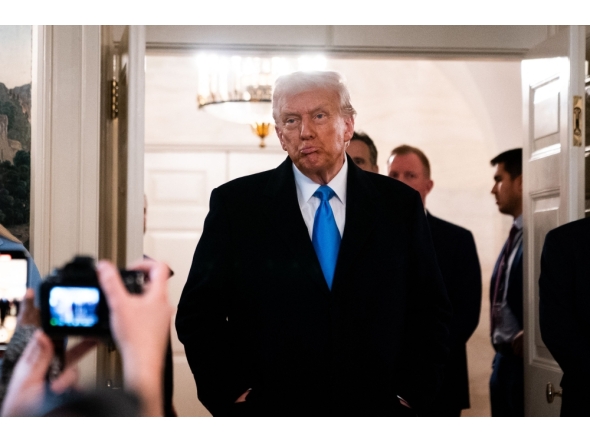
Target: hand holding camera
(88, 301)
(140, 327)
(72, 301)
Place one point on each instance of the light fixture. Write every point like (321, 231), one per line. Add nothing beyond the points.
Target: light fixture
(239, 88)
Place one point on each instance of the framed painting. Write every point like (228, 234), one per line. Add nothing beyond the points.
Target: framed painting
(15, 158)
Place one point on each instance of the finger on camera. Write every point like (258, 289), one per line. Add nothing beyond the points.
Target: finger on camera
(153, 269)
(66, 380)
(38, 353)
(157, 273)
(29, 314)
(111, 282)
(78, 351)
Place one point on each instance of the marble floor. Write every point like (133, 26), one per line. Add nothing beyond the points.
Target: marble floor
(479, 358)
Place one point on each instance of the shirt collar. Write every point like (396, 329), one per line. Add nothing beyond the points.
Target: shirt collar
(306, 187)
(518, 222)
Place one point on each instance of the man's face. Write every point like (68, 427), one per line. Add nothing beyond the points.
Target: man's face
(312, 130)
(359, 151)
(508, 192)
(408, 169)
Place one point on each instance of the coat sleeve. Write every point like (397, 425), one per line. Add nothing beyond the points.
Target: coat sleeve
(559, 318)
(465, 291)
(426, 333)
(201, 320)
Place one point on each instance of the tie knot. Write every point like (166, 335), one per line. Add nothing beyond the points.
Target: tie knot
(324, 193)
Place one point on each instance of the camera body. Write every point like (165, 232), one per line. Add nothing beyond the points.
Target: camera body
(72, 302)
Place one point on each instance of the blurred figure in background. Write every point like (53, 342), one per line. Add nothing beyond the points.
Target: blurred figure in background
(507, 381)
(363, 152)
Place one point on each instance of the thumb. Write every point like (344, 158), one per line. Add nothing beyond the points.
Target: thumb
(111, 283)
(37, 356)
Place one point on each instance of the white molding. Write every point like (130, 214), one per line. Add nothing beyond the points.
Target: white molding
(40, 141)
(65, 150)
(426, 42)
(89, 164)
(135, 147)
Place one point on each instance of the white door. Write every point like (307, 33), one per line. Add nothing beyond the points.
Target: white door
(553, 182)
(178, 186)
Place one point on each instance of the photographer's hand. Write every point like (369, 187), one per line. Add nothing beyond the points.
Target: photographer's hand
(29, 313)
(140, 325)
(26, 391)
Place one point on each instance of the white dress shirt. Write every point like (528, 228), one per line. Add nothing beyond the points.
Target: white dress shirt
(309, 204)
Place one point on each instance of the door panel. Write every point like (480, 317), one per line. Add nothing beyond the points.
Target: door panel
(177, 187)
(553, 170)
(242, 164)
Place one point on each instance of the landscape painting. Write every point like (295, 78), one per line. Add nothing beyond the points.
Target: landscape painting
(15, 129)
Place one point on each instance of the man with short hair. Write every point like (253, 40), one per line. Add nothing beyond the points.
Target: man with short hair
(507, 380)
(363, 152)
(459, 266)
(308, 295)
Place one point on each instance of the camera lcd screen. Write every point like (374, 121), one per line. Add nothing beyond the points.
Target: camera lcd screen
(13, 277)
(73, 306)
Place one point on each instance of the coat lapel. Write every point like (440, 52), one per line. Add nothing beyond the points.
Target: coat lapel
(283, 209)
(360, 220)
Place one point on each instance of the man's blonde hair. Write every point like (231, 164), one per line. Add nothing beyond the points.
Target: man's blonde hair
(302, 81)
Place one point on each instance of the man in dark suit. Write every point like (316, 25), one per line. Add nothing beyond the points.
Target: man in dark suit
(507, 380)
(363, 152)
(459, 266)
(564, 290)
(314, 289)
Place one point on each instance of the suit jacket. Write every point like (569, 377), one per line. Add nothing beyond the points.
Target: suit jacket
(514, 291)
(459, 265)
(256, 312)
(564, 290)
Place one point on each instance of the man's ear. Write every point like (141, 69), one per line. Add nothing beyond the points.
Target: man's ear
(518, 181)
(349, 128)
(429, 186)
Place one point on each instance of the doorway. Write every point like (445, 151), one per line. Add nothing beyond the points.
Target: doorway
(461, 114)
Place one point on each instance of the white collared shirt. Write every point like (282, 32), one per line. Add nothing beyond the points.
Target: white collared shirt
(309, 204)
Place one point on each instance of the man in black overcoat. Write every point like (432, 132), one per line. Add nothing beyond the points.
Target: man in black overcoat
(564, 290)
(314, 289)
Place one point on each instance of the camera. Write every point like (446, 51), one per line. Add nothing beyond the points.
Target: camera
(72, 302)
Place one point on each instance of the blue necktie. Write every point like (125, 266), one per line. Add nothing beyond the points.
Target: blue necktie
(326, 237)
